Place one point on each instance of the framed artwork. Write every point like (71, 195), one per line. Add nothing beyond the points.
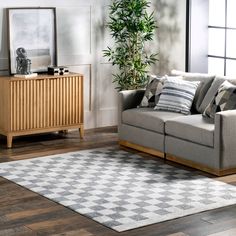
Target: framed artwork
(33, 29)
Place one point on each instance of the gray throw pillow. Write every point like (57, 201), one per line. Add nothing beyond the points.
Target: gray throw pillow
(225, 99)
(177, 95)
(153, 91)
(211, 93)
(206, 81)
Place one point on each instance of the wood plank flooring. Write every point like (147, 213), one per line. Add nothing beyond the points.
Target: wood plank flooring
(24, 213)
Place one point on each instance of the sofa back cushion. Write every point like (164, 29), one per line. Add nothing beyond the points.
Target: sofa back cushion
(206, 81)
(177, 95)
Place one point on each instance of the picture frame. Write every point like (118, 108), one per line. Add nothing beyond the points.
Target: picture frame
(33, 29)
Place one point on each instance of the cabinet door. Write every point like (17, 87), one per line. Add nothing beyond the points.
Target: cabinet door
(46, 103)
(65, 101)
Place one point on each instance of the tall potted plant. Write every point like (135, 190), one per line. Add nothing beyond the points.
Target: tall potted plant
(131, 27)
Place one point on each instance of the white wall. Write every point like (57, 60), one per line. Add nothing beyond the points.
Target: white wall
(170, 37)
(82, 36)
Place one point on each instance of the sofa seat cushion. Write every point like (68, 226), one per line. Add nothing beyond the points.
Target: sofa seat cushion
(193, 128)
(147, 118)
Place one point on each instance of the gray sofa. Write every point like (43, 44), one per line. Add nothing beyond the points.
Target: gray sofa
(191, 140)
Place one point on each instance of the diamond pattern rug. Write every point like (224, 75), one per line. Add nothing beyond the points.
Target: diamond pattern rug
(119, 189)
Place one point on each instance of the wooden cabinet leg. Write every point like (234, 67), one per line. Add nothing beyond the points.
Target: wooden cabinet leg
(9, 141)
(81, 131)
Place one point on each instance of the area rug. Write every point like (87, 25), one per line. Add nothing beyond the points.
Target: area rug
(119, 189)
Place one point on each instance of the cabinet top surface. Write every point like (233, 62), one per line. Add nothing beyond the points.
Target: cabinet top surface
(40, 76)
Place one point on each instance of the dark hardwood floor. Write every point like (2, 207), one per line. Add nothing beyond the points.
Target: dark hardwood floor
(24, 213)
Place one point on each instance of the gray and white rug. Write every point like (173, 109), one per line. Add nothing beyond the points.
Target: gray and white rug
(119, 189)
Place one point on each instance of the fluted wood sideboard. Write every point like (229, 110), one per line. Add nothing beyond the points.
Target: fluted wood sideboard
(41, 104)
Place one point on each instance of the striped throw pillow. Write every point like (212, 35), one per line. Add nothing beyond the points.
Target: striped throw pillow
(154, 89)
(177, 95)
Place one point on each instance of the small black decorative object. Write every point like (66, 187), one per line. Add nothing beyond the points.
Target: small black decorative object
(58, 70)
(23, 64)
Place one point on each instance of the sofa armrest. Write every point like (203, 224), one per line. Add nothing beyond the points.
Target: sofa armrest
(128, 99)
(225, 131)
